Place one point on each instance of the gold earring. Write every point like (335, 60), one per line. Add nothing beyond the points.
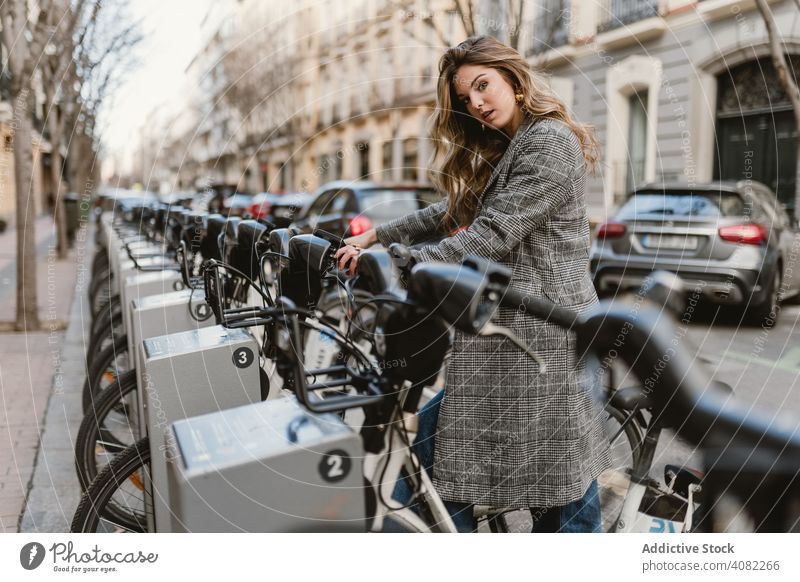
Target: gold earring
(483, 127)
(519, 97)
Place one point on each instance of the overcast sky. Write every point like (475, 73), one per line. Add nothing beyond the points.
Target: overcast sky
(171, 30)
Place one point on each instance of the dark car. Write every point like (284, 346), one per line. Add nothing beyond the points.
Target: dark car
(237, 204)
(348, 208)
(217, 194)
(731, 242)
(282, 209)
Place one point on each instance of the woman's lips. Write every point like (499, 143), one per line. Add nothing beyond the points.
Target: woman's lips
(488, 115)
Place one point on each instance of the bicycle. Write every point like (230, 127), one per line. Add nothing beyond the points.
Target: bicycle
(386, 407)
(112, 424)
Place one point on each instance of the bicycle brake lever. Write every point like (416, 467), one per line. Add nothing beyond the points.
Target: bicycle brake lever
(490, 329)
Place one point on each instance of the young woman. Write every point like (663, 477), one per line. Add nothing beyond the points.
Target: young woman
(513, 166)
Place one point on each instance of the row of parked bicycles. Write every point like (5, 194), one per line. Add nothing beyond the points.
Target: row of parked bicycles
(237, 381)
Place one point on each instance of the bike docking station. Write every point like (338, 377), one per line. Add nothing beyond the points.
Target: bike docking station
(141, 286)
(165, 314)
(269, 467)
(187, 374)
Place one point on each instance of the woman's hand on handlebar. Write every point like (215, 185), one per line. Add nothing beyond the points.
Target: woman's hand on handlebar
(348, 254)
(364, 240)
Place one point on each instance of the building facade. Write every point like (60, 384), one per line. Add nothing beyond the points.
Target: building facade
(678, 91)
(318, 90)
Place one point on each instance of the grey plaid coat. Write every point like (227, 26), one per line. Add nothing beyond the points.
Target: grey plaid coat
(507, 434)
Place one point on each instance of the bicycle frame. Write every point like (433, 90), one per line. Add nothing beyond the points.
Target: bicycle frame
(389, 464)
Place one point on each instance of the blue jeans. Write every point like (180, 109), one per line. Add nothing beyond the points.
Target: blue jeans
(581, 516)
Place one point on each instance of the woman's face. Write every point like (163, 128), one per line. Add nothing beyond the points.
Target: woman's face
(488, 97)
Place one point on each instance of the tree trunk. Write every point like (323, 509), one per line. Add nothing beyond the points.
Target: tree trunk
(787, 83)
(27, 318)
(82, 166)
(57, 180)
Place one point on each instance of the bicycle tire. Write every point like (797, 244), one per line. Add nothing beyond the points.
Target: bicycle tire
(98, 301)
(103, 273)
(632, 436)
(112, 311)
(99, 261)
(93, 506)
(103, 285)
(633, 431)
(105, 363)
(105, 332)
(97, 430)
(100, 350)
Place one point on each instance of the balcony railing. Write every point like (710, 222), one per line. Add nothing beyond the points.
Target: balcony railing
(619, 13)
(551, 27)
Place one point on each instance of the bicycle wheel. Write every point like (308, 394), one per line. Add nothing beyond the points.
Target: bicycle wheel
(103, 333)
(111, 312)
(111, 426)
(119, 484)
(626, 436)
(100, 261)
(105, 369)
(101, 292)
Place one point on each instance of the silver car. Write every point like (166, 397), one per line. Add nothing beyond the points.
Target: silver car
(731, 242)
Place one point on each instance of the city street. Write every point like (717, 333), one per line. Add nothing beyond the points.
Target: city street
(762, 367)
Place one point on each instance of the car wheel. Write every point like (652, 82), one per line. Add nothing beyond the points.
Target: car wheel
(767, 311)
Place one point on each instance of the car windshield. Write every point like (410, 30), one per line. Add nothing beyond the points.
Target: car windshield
(381, 206)
(683, 203)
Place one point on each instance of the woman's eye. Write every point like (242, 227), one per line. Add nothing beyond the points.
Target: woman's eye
(483, 85)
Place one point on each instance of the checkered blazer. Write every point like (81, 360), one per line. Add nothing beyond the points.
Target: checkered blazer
(509, 435)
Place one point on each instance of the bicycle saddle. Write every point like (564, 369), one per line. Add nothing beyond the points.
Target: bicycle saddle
(632, 398)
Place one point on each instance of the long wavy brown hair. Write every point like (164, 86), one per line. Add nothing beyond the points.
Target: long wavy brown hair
(464, 153)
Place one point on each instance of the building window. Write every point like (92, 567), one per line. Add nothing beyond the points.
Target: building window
(387, 159)
(363, 160)
(338, 165)
(637, 140)
(492, 20)
(410, 163)
(551, 27)
(618, 13)
(264, 167)
(283, 176)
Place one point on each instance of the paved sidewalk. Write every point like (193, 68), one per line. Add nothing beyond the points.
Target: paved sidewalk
(31, 365)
